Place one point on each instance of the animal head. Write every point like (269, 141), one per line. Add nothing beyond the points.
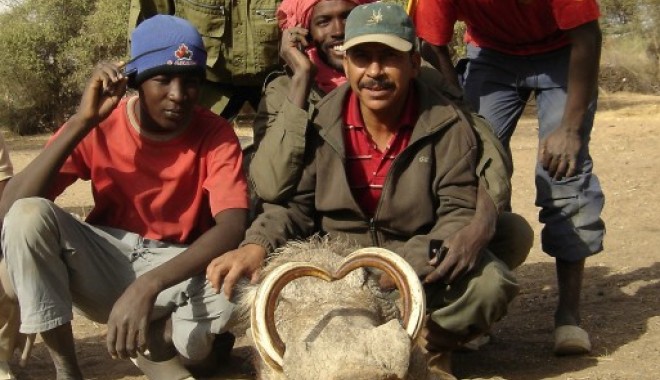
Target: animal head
(319, 313)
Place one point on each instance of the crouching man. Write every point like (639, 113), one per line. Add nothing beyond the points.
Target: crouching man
(390, 163)
(169, 196)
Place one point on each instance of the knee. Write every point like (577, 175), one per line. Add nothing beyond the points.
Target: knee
(513, 240)
(495, 287)
(28, 216)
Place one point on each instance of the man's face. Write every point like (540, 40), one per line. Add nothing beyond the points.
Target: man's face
(167, 102)
(380, 75)
(327, 29)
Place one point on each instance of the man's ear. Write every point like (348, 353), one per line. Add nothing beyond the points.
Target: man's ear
(344, 63)
(416, 60)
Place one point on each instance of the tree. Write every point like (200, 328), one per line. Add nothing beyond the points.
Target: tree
(51, 47)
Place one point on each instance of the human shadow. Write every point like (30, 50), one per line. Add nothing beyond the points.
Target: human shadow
(616, 308)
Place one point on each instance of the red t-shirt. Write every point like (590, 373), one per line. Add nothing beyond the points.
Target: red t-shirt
(519, 27)
(164, 190)
(366, 165)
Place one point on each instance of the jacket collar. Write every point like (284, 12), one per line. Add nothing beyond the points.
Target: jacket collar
(435, 113)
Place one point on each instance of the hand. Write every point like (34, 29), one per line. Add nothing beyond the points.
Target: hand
(294, 41)
(558, 153)
(102, 93)
(226, 270)
(463, 251)
(128, 324)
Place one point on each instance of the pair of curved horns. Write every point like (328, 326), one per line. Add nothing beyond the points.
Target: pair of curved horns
(266, 338)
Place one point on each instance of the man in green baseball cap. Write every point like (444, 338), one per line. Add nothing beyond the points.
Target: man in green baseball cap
(391, 162)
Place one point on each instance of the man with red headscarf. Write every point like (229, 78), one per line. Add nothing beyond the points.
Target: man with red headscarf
(312, 34)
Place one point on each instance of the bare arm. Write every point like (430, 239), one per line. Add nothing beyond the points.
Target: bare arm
(558, 152)
(128, 324)
(103, 92)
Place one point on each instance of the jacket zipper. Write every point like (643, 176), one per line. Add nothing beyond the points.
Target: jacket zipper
(374, 233)
(373, 230)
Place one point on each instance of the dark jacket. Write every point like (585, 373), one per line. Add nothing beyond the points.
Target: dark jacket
(279, 135)
(429, 193)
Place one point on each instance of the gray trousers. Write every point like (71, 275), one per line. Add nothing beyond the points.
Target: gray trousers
(9, 318)
(57, 263)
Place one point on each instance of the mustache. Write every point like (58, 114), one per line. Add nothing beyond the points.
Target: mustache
(384, 84)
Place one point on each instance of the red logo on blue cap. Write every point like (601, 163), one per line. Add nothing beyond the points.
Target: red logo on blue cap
(183, 56)
(183, 52)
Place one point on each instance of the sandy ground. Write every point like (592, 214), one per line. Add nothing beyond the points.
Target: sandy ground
(620, 296)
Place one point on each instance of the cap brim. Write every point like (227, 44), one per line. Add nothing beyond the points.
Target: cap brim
(392, 41)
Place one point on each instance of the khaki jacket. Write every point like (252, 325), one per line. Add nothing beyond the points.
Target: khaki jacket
(279, 135)
(429, 193)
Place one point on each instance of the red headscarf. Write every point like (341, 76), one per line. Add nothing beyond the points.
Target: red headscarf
(299, 12)
(291, 13)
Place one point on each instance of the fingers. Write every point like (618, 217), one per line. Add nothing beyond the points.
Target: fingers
(442, 270)
(215, 273)
(110, 340)
(295, 36)
(451, 268)
(117, 346)
(131, 346)
(142, 336)
(561, 166)
(559, 156)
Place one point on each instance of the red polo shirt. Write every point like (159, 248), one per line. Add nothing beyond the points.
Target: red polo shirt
(366, 165)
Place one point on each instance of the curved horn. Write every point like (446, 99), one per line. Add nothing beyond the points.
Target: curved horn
(405, 278)
(264, 333)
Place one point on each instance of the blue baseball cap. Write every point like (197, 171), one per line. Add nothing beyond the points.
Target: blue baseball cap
(165, 44)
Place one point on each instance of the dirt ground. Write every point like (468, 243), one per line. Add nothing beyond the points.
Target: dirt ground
(621, 288)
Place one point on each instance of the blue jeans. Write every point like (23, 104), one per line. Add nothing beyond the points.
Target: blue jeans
(498, 86)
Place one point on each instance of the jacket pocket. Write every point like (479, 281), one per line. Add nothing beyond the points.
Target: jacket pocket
(266, 33)
(209, 17)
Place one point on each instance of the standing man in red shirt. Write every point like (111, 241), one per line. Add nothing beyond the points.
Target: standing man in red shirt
(169, 196)
(552, 49)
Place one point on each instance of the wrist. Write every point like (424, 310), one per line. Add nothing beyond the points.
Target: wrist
(149, 284)
(483, 229)
(80, 121)
(255, 250)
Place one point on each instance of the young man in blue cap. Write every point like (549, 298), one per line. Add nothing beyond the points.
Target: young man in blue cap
(169, 196)
(391, 162)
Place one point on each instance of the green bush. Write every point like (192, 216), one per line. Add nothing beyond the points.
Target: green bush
(51, 47)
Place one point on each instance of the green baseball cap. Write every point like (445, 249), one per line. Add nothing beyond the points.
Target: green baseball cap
(385, 23)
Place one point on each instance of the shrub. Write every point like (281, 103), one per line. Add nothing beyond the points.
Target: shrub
(52, 46)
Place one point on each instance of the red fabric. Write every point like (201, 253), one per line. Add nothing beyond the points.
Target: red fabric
(327, 78)
(291, 13)
(167, 190)
(366, 165)
(519, 27)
